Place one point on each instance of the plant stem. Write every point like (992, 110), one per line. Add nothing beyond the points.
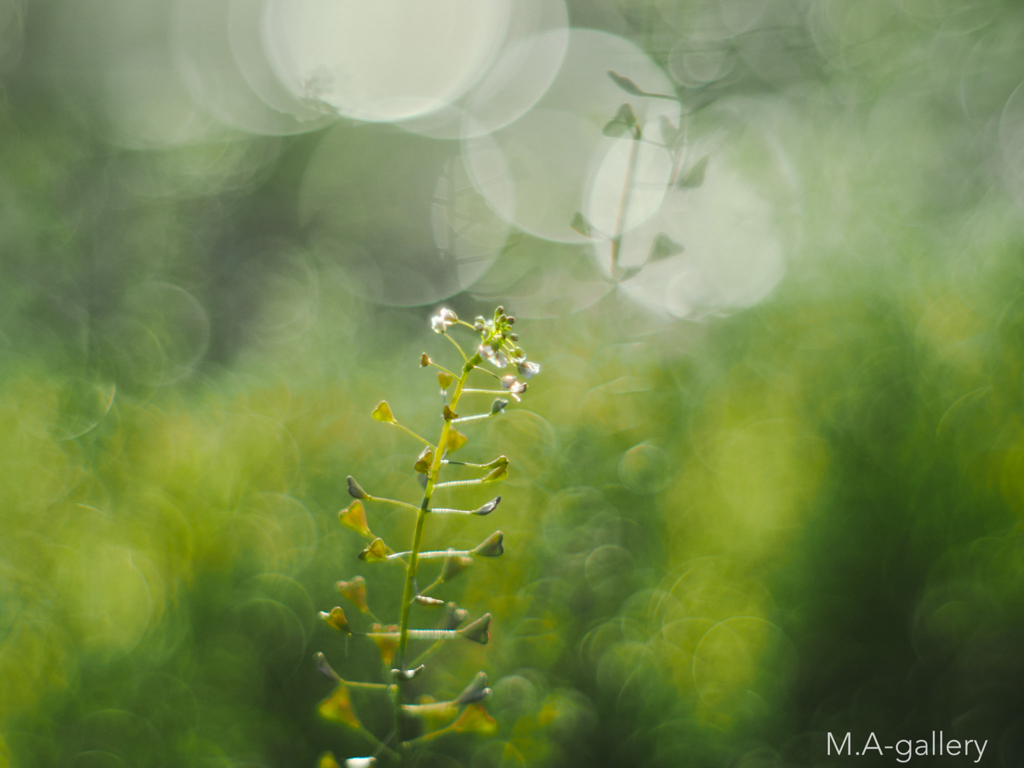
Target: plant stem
(457, 346)
(410, 432)
(627, 194)
(421, 517)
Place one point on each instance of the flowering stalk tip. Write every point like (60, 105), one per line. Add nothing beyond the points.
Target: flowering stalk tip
(498, 346)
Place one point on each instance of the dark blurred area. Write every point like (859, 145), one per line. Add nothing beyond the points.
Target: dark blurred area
(768, 485)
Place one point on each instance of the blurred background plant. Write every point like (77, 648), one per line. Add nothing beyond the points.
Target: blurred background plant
(770, 484)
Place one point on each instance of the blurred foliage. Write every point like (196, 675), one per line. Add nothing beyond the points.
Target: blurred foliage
(723, 538)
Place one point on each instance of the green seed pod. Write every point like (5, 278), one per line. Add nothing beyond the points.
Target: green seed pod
(424, 460)
(376, 552)
(336, 619)
(355, 490)
(454, 565)
(453, 616)
(492, 546)
(429, 602)
(456, 440)
(338, 708)
(489, 507)
(478, 630)
(383, 413)
(324, 668)
(355, 591)
(476, 691)
(354, 517)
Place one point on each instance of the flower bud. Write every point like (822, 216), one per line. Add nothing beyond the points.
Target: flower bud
(492, 546)
(478, 630)
(361, 762)
(424, 360)
(383, 412)
(498, 406)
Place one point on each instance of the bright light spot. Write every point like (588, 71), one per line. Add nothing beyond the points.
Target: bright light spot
(648, 179)
(525, 66)
(202, 49)
(645, 469)
(382, 61)
(245, 34)
(731, 256)
(547, 165)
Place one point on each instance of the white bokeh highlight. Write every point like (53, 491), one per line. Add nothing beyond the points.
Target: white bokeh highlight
(525, 66)
(381, 62)
(554, 161)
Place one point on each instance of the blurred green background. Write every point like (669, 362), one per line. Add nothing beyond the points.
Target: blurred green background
(765, 488)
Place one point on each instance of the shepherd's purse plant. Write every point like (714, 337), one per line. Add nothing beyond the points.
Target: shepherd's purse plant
(419, 723)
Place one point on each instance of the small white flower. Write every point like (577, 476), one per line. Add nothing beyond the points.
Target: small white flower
(528, 370)
(497, 359)
(443, 320)
(514, 386)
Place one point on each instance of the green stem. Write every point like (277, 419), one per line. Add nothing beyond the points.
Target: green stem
(396, 502)
(410, 432)
(442, 368)
(421, 517)
(457, 346)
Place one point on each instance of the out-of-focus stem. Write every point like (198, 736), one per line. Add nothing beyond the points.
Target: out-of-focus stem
(627, 194)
